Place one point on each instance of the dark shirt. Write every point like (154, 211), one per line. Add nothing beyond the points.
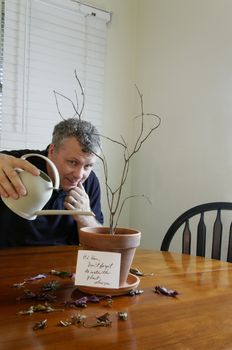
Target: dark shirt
(51, 229)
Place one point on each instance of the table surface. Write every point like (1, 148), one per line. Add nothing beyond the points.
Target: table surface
(198, 318)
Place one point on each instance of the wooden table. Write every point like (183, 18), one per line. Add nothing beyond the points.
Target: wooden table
(199, 318)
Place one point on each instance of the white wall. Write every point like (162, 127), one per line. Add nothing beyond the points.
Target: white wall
(119, 87)
(179, 52)
(185, 70)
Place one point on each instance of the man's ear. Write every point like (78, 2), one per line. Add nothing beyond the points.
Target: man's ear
(51, 150)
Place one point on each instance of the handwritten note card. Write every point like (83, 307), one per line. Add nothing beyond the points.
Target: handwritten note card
(98, 269)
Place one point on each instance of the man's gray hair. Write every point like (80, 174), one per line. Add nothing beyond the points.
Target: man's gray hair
(83, 131)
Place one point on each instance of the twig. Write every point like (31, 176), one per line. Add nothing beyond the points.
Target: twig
(114, 197)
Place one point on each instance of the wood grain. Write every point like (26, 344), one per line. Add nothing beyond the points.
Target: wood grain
(199, 318)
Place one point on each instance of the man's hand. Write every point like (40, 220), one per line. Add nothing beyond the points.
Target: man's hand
(10, 182)
(77, 199)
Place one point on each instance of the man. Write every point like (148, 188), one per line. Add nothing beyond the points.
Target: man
(74, 148)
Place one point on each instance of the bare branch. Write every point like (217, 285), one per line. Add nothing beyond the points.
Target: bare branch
(75, 107)
(114, 141)
(82, 94)
(122, 205)
(114, 202)
(142, 140)
(65, 97)
(114, 196)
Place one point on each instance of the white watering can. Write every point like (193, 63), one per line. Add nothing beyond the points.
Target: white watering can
(39, 191)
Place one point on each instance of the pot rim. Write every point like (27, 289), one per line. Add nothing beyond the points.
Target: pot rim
(88, 237)
(100, 230)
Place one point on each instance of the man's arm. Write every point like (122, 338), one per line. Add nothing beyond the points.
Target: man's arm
(86, 221)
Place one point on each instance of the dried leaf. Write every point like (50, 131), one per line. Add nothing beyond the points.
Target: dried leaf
(19, 284)
(122, 315)
(109, 302)
(29, 311)
(61, 274)
(40, 325)
(102, 321)
(135, 292)
(50, 286)
(93, 299)
(82, 302)
(104, 318)
(28, 294)
(65, 323)
(76, 319)
(39, 308)
(164, 291)
(137, 272)
(37, 277)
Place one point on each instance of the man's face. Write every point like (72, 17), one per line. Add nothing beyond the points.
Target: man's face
(74, 165)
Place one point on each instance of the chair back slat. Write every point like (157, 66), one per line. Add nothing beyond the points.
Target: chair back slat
(201, 236)
(186, 239)
(229, 252)
(217, 237)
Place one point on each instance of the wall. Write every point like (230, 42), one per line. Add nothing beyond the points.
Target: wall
(119, 88)
(179, 53)
(185, 72)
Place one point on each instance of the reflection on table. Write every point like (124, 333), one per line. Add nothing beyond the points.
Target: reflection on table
(198, 318)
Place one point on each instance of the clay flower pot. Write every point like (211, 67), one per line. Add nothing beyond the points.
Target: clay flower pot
(124, 241)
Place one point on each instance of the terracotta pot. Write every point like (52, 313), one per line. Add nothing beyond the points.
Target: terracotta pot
(124, 241)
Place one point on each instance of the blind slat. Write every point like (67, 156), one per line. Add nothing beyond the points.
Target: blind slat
(44, 43)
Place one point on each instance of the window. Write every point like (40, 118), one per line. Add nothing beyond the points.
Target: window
(45, 41)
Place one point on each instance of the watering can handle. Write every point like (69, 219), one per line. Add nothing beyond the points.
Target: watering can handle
(54, 169)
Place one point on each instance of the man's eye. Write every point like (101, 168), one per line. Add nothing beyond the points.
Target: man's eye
(72, 162)
(89, 166)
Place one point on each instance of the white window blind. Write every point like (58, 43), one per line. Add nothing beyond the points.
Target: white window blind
(45, 41)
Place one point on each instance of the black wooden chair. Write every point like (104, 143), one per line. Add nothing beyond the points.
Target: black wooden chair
(184, 219)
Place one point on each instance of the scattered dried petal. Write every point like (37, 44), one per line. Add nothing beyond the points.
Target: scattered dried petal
(93, 299)
(40, 325)
(41, 307)
(135, 292)
(29, 311)
(164, 291)
(28, 294)
(122, 315)
(37, 277)
(137, 272)
(50, 286)
(76, 319)
(61, 274)
(109, 302)
(104, 317)
(65, 323)
(19, 285)
(38, 308)
(102, 321)
(82, 302)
